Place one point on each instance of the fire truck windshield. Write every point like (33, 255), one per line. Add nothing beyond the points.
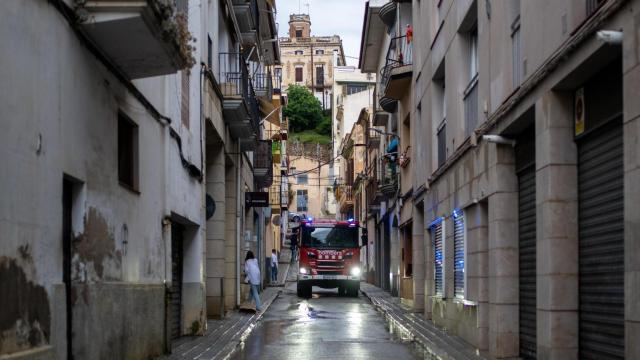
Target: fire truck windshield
(330, 237)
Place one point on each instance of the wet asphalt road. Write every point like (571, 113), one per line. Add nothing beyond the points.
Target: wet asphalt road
(323, 327)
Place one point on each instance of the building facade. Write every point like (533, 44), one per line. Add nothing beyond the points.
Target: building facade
(309, 60)
(386, 50)
(523, 199)
(120, 233)
(310, 186)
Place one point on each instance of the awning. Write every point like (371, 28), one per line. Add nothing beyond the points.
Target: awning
(267, 109)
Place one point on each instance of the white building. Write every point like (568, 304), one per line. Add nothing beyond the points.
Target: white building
(114, 135)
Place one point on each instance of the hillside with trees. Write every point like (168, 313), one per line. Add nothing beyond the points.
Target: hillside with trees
(308, 123)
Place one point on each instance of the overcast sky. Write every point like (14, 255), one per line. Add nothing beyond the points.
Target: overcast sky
(328, 17)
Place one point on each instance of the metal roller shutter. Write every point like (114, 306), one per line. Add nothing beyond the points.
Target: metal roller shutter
(175, 294)
(438, 257)
(527, 262)
(458, 255)
(601, 243)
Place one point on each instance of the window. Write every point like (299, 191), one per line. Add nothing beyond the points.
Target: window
(298, 33)
(209, 52)
(459, 255)
(299, 52)
(355, 88)
(319, 52)
(301, 200)
(471, 92)
(302, 179)
(593, 5)
(437, 242)
(127, 152)
(299, 74)
(442, 143)
(473, 53)
(515, 53)
(320, 75)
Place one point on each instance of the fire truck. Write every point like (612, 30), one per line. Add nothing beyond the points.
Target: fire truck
(329, 256)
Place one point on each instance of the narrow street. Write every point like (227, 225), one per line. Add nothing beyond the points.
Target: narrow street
(323, 327)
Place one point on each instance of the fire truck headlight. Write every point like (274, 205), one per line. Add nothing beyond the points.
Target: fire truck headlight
(303, 270)
(355, 271)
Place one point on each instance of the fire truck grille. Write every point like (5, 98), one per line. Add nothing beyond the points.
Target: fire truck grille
(333, 264)
(329, 272)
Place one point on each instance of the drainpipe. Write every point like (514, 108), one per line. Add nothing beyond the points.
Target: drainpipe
(238, 221)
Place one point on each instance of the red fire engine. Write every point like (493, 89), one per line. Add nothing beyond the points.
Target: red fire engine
(329, 256)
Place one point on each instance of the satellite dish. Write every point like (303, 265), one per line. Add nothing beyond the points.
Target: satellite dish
(275, 220)
(211, 206)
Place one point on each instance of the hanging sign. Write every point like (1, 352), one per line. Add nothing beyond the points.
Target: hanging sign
(256, 199)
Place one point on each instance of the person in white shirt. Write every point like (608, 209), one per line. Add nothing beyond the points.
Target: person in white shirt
(274, 266)
(252, 270)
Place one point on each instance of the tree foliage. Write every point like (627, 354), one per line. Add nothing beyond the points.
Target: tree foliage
(303, 109)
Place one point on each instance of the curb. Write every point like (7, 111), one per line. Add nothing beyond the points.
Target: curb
(229, 349)
(411, 335)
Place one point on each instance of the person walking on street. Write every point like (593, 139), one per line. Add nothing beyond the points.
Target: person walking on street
(274, 266)
(252, 270)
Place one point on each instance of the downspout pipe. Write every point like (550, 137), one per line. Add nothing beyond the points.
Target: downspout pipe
(238, 220)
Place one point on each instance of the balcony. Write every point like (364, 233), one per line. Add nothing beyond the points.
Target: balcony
(247, 16)
(396, 74)
(389, 187)
(141, 38)
(277, 84)
(345, 198)
(274, 196)
(374, 196)
(263, 85)
(263, 164)
(240, 106)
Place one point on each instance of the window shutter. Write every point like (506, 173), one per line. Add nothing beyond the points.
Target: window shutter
(458, 256)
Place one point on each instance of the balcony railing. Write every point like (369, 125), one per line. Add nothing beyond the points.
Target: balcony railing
(471, 107)
(277, 83)
(241, 108)
(263, 84)
(398, 68)
(263, 164)
(345, 196)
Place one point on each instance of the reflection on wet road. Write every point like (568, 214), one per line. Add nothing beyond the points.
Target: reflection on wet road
(324, 327)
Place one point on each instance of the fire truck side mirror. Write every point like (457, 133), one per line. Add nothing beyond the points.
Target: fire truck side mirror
(363, 240)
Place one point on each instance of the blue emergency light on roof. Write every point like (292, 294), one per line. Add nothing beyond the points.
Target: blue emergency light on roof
(350, 220)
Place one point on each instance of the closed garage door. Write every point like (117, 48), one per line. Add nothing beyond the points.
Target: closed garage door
(175, 294)
(601, 242)
(526, 171)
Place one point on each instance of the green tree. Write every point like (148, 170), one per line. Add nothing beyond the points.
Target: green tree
(324, 127)
(303, 109)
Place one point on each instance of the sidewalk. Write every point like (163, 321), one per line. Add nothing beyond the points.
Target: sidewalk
(224, 335)
(433, 340)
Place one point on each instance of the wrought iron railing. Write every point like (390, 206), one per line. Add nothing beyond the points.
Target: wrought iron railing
(399, 53)
(263, 84)
(263, 163)
(277, 83)
(233, 75)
